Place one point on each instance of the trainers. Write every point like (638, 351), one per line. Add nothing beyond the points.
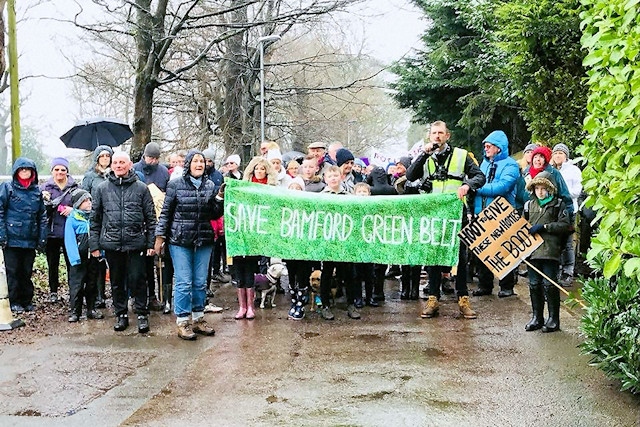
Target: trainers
(327, 314)
(201, 327)
(465, 308)
(94, 314)
(143, 324)
(219, 278)
(53, 297)
(212, 308)
(17, 308)
(431, 307)
(167, 309)
(122, 323)
(73, 318)
(353, 312)
(29, 307)
(185, 332)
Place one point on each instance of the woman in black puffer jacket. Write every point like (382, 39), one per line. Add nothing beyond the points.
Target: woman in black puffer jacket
(185, 225)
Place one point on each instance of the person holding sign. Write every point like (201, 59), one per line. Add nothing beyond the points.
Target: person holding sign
(550, 219)
(444, 169)
(502, 174)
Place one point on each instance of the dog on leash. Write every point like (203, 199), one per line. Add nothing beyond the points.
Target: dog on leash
(266, 284)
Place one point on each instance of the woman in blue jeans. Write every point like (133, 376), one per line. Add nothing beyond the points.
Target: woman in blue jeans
(185, 226)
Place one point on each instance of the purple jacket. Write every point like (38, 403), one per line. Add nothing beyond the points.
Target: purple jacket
(55, 220)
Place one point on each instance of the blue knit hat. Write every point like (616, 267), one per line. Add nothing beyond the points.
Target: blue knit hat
(60, 161)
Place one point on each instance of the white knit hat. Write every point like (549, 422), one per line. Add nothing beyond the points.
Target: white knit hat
(234, 158)
(274, 153)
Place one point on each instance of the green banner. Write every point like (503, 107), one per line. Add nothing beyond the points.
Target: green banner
(289, 224)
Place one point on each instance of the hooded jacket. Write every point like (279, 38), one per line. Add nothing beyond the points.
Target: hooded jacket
(153, 174)
(93, 176)
(553, 215)
(379, 182)
(185, 219)
(55, 218)
(23, 218)
(122, 216)
(502, 173)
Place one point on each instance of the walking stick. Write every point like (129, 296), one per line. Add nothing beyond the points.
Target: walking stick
(552, 281)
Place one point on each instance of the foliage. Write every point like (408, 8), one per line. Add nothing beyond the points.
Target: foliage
(545, 65)
(457, 77)
(611, 325)
(612, 148)
(31, 147)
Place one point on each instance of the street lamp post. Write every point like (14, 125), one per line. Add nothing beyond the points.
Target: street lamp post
(261, 45)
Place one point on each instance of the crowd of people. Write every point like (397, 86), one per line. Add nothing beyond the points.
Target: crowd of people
(131, 218)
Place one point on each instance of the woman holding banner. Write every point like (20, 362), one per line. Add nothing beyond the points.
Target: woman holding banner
(258, 171)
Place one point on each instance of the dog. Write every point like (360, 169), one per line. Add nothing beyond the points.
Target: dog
(266, 284)
(314, 285)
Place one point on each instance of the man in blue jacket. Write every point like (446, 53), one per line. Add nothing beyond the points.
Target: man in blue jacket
(502, 173)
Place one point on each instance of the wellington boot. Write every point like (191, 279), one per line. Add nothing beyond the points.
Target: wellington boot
(537, 308)
(242, 300)
(431, 307)
(185, 332)
(552, 295)
(251, 296)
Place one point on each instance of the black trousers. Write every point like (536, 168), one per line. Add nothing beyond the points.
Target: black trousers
(344, 276)
(19, 264)
(127, 269)
(53, 248)
(83, 284)
(364, 273)
(485, 278)
(435, 275)
(245, 267)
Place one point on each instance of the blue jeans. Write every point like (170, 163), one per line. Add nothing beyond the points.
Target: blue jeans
(190, 268)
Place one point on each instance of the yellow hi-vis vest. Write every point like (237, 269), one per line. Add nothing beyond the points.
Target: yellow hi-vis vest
(455, 172)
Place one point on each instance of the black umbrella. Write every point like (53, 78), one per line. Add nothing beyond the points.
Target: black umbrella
(292, 155)
(89, 133)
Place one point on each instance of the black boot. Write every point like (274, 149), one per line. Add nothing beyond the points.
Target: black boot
(414, 287)
(368, 292)
(537, 306)
(405, 282)
(552, 295)
(378, 282)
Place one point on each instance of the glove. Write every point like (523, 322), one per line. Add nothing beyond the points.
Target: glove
(221, 190)
(536, 229)
(159, 246)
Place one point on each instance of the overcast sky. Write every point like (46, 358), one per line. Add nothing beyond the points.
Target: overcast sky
(390, 27)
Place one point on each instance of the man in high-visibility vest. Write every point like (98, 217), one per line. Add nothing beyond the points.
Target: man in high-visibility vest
(445, 169)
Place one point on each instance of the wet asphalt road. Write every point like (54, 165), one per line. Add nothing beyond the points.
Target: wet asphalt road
(390, 368)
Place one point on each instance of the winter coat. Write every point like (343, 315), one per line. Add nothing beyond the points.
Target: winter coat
(216, 177)
(23, 217)
(556, 218)
(572, 176)
(94, 176)
(561, 188)
(122, 216)
(76, 237)
(502, 182)
(153, 174)
(314, 185)
(272, 175)
(379, 182)
(185, 219)
(55, 219)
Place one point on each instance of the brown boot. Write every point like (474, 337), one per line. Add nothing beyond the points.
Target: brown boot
(431, 307)
(201, 327)
(465, 308)
(185, 332)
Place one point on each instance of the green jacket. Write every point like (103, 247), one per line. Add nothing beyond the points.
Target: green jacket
(555, 217)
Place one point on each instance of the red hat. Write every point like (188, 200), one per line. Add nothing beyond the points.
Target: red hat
(545, 151)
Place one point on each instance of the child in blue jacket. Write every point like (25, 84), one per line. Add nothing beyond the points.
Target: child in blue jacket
(83, 273)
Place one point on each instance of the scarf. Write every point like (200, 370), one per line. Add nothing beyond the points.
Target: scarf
(259, 181)
(546, 200)
(197, 182)
(533, 171)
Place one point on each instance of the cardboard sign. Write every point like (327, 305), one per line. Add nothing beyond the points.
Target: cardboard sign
(500, 237)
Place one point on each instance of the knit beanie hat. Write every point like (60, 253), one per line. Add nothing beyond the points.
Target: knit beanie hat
(360, 163)
(343, 156)
(234, 158)
(60, 161)
(530, 147)
(563, 148)
(404, 161)
(545, 151)
(274, 153)
(78, 196)
(209, 153)
(152, 149)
